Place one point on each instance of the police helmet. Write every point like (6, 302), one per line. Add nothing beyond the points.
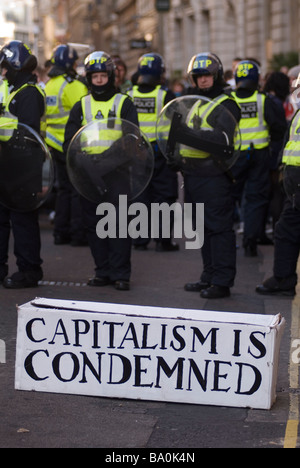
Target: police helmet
(247, 74)
(99, 61)
(205, 63)
(150, 68)
(64, 56)
(17, 56)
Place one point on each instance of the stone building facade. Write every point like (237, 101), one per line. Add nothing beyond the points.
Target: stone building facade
(230, 28)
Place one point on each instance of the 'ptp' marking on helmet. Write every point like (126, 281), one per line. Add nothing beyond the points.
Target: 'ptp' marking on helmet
(243, 69)
(147, 61)
(205, 63)
(99, 60)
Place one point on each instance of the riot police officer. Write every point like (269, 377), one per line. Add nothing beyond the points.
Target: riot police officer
(287, 230)
(206, 183)
(63, 90)
(149, 97)
(26, 105)
(112, 256)
(260, 123)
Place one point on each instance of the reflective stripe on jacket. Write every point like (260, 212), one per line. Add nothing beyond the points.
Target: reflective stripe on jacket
(201, 111)
(149, 106)
(61, 95)
(253, 126)
(8, 121)
(291, 152)
(97, 111)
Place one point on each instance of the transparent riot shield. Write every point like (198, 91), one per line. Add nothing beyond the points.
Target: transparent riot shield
(109, 158)
(197, 132)
(26, 168)
(291, 183)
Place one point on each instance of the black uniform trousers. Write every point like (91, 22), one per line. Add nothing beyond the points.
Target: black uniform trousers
(112, 256)
(162, 188)
(219, 249)
(68, 221)
(252, 175)
(287, 244)
(27, 241)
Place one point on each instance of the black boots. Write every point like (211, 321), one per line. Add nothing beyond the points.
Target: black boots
(278, 286)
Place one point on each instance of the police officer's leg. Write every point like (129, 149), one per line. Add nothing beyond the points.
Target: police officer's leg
(99, 247)
(4, 241)
(120, 259)
(286, 254)
(287, 243)
(193, 194)
(77, 228)
(256, 199)
(219, 249)
(141, 243)
(63, 200)
(239, 172)
(27, 248)
(220, 252)
(164, 190)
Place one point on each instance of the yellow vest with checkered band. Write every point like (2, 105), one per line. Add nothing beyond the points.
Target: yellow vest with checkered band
(149, 106)
(291, 152)
(201, 111)
(62, 92)
(4, 92)
(8, 121)
(253, 126)
(96, 111)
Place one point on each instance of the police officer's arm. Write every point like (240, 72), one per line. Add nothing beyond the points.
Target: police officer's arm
(129, 112)
(223, 124)
(73, 125)
(28, 107)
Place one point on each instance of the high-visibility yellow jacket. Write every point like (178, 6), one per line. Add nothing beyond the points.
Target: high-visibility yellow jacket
(94, 111)
(62, 92)
(4, 91)
(253, 126)
(201, 111)
(149, 106)
(291, 152)
(8, 121)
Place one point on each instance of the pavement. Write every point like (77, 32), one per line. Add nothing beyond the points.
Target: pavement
(44, 420)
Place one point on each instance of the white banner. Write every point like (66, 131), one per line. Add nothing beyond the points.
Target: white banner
(136, 352)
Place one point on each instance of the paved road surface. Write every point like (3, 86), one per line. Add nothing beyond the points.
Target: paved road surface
(53, 420)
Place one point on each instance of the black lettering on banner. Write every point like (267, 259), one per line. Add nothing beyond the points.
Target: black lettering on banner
(258, 345)
(56, 366)
(161, 364)
(78, 332)
(217, 376)
(179, 338)
(126, 369)
(201, 380)
(256, 384)
(139, 371)
(197, 333)
(28, 365)
(29, 330)
(87, 363)
(63, 332)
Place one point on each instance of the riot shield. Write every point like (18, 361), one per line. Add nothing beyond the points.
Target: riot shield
(195, 131)
(291, 183)
(26, 168)
(108, 158)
